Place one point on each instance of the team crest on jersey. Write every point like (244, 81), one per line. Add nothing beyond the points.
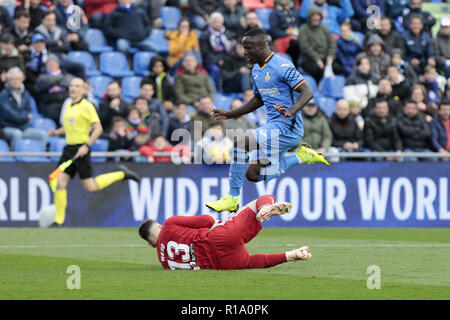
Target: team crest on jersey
(267, 77)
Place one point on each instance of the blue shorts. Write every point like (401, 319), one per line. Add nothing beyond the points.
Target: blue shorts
(274, 140)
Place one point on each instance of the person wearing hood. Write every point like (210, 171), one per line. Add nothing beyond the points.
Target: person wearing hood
(415, 8)
(346, 134)
(442, 47)
(361, 85)
(379, 60)
(317, 46)
(9, 57)
(392, 40)
(112, 105)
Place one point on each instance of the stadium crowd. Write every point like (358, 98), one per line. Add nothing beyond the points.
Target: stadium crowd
(154, 66)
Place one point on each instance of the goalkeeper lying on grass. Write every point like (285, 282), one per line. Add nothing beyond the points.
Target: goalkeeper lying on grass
(200, 242)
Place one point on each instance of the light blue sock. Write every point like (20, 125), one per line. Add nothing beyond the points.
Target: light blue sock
(273, 171)
(238, 166)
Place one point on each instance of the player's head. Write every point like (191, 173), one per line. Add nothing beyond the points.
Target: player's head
(149, 231)
(256, 45)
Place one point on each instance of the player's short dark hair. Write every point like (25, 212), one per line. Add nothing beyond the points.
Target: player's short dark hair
(257, 35)
(144, 229)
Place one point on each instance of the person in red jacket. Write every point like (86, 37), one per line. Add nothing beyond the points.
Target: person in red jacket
(200, 242)
(97, 9)
(159, 144)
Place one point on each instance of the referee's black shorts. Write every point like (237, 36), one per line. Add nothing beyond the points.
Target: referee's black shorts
(81, 165)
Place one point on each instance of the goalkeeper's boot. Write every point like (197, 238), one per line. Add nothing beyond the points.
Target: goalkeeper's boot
(302, 253)
(227, 203)
(271, 210)
(308, 155)
(129, 174)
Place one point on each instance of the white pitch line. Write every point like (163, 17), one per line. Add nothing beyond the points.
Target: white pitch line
(382, 245)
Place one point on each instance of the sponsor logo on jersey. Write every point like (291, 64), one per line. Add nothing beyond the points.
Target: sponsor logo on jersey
(270, 91)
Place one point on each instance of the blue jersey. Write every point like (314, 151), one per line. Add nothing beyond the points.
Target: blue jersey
(275, 82)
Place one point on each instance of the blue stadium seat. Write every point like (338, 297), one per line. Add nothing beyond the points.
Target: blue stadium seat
(359, 37)
(158, 38)
(141, 61)
(328, 105)
(43, 123)
(96, 41)
(100, 145)
(29, 145)
(87, 60)
(99, 84)
(263, 16)
(130, 87)
(311, 83)
(4, 148)
(170, 17)
(333, 87)
(223, 101)
(114, 64)
(57, 144)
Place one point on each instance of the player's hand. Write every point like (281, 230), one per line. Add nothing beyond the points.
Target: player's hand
(82, 151)
(219, 114)
(282, 109)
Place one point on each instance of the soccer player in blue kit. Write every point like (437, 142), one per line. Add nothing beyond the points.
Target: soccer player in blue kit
(278, 86)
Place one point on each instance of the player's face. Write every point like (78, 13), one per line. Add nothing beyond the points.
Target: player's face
(252, 50)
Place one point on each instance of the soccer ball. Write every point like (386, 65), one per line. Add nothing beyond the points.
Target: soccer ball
(47, 216)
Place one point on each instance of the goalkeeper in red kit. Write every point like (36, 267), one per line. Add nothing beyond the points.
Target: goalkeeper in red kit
(201, 242)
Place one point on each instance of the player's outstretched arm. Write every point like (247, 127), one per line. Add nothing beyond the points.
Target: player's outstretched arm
(253, 104)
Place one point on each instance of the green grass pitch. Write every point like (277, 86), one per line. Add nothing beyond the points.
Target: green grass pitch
(116, 264)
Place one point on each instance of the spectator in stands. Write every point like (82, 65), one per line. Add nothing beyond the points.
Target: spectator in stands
(403, 66)
(317, 47)
(232, 12)
(149, 125)
(394, 8)
(200, 12)
(137, 127)
(236, 72)
(334, 12)
(35, 60)
(419, 46)
(379, 60)
(401, 86)
(20, 31)
(192, 82)
(155, 106)
(362, 16)
(415, 9)
(181, 41)
(128, 26)
(180, 119)
(419, 95)
(434, 84)
(216, 42)
(120, 139)
(159, 75)
(112, 105)
(5, 19)
(391, 38)
(385, 93)
(15, 110)
(203, 116)
(159, 144)
(249, 21)
(413, 130)
(347, 136)
(9, 57)
(347, 50)
(96, 10)
(72, 19)
(355, 111)
(442, 47)
(380, 132)
(284, 28)
(317, 132)
(33, 8)
(240, 123)
(215, 147)
(361, 85)
(152, 7)
(440, 129)
(52, 88)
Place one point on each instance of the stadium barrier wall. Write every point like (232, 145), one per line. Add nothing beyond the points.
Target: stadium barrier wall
(348, 194)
